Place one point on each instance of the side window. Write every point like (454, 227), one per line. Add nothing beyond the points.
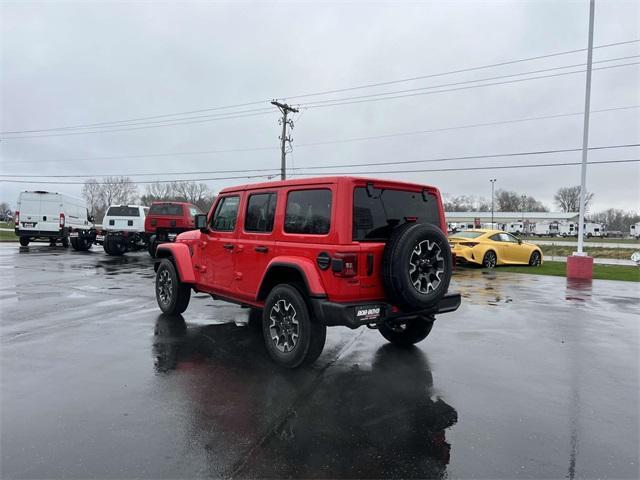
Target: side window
(308, 211)
(496, 237)
(224, 218)
(261, 210)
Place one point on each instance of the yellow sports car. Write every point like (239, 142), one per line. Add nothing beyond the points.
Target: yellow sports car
(493, 247)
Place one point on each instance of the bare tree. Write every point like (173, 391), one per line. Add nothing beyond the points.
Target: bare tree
(507, 201)
(568, 199)
(92, 193)
(118, 190)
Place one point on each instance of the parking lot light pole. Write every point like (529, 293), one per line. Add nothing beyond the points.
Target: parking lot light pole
(493, 180)
(579, 265)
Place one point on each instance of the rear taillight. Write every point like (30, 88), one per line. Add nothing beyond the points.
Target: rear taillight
(345, 265)
(61, 220)
(16, 220)
(469, 244)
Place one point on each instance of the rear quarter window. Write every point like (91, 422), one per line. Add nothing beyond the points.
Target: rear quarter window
(376, 213)
(308, 212)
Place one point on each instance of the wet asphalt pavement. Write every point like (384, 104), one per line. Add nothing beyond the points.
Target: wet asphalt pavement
(531, 378)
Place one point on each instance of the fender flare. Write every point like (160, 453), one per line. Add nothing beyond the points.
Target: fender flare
(307, 269)
(181, 256)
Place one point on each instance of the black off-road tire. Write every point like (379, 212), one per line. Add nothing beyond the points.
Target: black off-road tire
(171, 294)
(24, 241)
(286, 314)
(153, 246)
(490, 259)
(64, 241)
(80, 243)
(408, 333)
(115, 245)
(431, 268)
(536, 259)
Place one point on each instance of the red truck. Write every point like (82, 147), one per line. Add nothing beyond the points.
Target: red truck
(165, 220)
(312, 253)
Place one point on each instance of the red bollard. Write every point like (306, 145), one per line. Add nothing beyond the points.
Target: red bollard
(580, 267)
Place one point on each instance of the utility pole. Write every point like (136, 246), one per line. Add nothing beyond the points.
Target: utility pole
(524, 199)
(285, 109)
(493, 180)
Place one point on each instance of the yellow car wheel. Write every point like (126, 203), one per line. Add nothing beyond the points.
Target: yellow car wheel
(490, 259)
(536, 259)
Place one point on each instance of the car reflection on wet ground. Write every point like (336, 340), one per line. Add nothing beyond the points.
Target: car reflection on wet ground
(533, 377)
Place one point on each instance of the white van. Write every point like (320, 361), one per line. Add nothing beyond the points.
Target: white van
(123, 229)
(49, 216)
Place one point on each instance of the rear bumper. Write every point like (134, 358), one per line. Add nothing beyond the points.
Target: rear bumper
(39, 233)
(466, 255)
(354, 315)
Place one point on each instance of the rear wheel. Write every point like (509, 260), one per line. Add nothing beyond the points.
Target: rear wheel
(409, 332)
(172, 295)
(290, 334)
(115, 245)
(65, 241)
(490, 259)
(153, 246)
(536, 259)
(24, 241)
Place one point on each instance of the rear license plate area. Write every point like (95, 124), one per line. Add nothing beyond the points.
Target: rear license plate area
(29, 224)
(368, 313)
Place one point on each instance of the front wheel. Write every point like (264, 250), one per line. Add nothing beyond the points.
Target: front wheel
(24, 241)
(536, 259)
(490, 259)
(290, 334)
(172, 295)
(407, 333)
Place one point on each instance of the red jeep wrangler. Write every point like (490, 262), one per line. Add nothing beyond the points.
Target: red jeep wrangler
(312, 253)
(166, 220)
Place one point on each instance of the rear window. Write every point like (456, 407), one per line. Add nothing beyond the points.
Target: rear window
(377, 212)
(123, 212)
(466, 234)
(166, 209)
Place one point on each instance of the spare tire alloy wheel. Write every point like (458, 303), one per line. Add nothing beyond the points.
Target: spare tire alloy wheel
(417, 266)
(426, 266)
(284, 327)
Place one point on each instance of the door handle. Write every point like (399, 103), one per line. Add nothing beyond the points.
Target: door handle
(261, 249)
(228, 246)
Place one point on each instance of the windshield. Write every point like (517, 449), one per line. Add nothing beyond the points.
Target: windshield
(123, 211)
(377, 212)
(467, 234)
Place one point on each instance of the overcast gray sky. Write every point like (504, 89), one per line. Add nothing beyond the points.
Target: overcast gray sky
(71, 63)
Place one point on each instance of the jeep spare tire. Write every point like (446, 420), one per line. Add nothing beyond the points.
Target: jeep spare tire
(417, 266)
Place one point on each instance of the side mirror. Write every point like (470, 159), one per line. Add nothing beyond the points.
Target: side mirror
(201, 222)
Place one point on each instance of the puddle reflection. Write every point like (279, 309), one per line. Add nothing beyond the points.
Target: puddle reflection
(379, 417)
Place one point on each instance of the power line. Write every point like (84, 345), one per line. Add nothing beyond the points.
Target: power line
(347, 101)
(140, 128)
(466, 169)
(325, 142)
(463, 70)
(318, 167)
(116, 123)
(486, 79)
(460, 127)
(368, 172)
